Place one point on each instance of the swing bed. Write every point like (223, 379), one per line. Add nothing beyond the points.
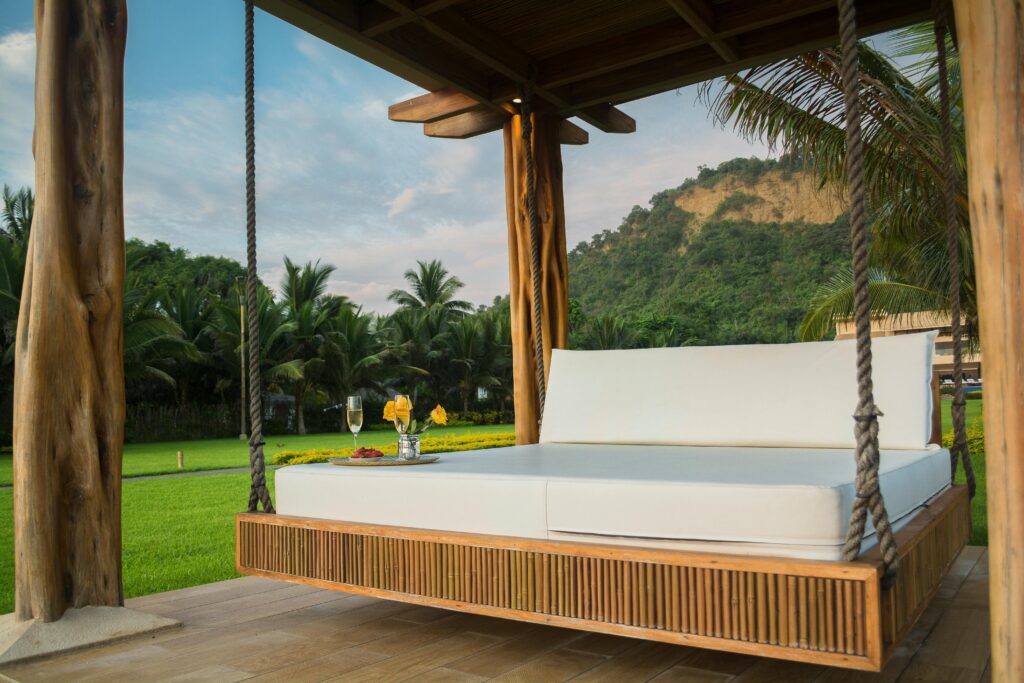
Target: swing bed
(745, 517)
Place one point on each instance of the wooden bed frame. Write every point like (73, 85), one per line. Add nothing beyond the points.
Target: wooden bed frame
(833, 613)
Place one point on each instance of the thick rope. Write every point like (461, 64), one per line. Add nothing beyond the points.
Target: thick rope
(526, 116)
(959, 451)
(257, 467)
(869, 495)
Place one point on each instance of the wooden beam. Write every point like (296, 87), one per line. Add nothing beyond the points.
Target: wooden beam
(702, 63)
(638, 46)
(701, 16)
(571, 134)
(434, 106)
(466, 125)
(69, 433)
(611, 119)
(338, 26)
(489, 49)
(375, 19)
(991, 36)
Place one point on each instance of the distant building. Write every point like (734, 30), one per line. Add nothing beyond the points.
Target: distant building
(922, 322)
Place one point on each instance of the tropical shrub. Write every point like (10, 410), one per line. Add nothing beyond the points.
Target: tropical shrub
(431, 444)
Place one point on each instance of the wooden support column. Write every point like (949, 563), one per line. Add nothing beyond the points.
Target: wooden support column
(69, 376)
(991, 41)
(555, 291)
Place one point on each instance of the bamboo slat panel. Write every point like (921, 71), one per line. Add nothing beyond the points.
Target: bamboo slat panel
(823, 612)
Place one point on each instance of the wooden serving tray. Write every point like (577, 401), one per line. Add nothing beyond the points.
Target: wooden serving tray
(384, 462)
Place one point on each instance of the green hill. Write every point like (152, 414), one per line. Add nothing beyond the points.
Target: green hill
(732, 256)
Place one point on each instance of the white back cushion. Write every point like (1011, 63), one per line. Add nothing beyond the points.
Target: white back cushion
(783, 395)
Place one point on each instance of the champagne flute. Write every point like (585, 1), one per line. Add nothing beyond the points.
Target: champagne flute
(403, 413)
(354, 413)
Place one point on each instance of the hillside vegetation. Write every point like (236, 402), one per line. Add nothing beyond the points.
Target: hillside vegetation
(732, 256)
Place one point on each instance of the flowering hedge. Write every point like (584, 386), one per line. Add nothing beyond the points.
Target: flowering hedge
(430, 444)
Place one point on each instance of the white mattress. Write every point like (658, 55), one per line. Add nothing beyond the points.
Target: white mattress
(792, 502)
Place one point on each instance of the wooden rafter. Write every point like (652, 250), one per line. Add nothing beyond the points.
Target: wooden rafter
(701, 63)
(434, 106)
(489, 49)
(701, 16)
(375, 19)
(466, 125)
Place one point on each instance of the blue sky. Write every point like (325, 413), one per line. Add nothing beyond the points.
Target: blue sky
(336, 180)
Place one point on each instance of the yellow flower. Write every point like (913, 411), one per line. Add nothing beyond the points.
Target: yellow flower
(402, 408)
(389, 411)
(438, 415)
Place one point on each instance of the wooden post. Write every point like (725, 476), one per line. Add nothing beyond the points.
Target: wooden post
(181, 460)
(991, 41)
(69, 375)
(548, 176)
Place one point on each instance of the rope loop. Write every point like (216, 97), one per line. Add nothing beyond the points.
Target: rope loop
(868, 494)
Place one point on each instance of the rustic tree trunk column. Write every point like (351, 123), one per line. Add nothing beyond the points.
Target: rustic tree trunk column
(991, 38)
(555, 290)
(69, 376)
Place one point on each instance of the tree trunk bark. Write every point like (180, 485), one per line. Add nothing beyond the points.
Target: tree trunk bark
(991, 37)
(300, 408)
(554, 270)
(69, 370)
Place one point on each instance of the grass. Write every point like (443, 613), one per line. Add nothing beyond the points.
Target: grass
(214, 454)
(979, 512)
(179, 532)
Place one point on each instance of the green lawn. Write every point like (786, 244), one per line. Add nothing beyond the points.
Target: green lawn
(979, 513)
(179, 532)
(214, 454)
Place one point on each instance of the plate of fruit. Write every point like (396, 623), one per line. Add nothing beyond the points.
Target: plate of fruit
(366, 454)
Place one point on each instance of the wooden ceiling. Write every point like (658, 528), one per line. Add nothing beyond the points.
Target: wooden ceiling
(581, 57)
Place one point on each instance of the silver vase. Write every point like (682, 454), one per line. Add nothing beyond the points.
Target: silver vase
(408, 447)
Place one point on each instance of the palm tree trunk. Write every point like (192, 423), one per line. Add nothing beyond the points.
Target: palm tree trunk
(300, 407)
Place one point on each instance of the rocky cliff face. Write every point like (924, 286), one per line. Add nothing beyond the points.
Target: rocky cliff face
(776, 196)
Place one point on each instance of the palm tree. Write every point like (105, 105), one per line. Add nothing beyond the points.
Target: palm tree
(17, 213)
(417, 339)
(356, 359)
(311, 313)
(797, 105)
(190, 310)
(609, 332)
(150, 337)
(430, 286)
(276, 362)
(472, 353)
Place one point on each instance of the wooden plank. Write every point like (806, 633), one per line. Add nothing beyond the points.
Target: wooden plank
(374, 19)
(571, 134)
(701, 16)
(991, 36)
(433, 107)
(466, 125)
(703, 63)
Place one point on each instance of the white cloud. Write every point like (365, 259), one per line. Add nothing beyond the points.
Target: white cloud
(337, 181)
(401, 202)
(17, 93)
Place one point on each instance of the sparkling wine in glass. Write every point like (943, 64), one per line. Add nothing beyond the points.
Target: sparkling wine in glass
(354, 413)
(403, 413)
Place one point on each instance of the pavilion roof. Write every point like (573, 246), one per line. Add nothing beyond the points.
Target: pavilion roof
(582, 57)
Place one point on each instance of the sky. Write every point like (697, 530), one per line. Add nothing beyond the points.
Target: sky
(336, 181)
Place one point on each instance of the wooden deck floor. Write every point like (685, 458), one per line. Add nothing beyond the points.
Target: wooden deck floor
(258, 630)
